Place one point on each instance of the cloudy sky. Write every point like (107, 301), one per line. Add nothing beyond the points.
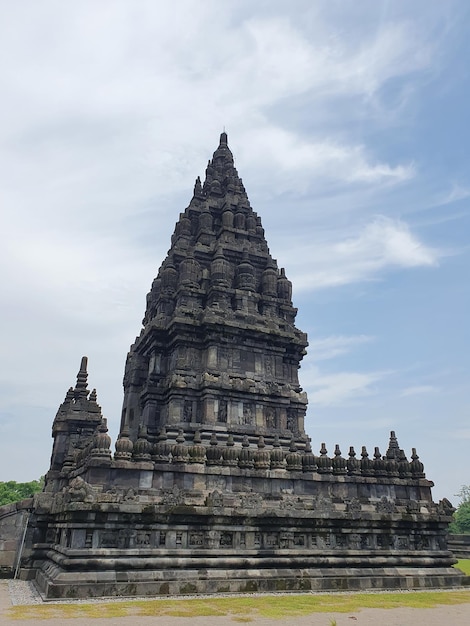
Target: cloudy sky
(349, 124)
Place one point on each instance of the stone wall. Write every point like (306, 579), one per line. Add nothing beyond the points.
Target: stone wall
(459, 545)
(13, 518)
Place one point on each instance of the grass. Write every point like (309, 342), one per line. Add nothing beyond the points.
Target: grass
(243, 609)
(464, 565)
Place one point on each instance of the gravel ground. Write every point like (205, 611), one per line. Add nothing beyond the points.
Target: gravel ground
(24, 593)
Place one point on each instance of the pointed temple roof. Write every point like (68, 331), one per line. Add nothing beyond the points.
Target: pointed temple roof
(219, 241)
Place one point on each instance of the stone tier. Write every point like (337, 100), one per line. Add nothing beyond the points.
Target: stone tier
(190, 528)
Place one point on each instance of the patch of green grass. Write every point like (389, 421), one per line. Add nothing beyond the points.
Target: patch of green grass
(464, 565)
(244, 609)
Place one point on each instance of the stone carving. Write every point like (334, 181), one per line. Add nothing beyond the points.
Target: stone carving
(413, 507)
(401, 543)
(173, 497)
(80, 491)
(385, 506)
(286, 539)
(354, 506)
(272, 540)
(130, 495)
(216, 483)
(247, 413)
(215, 499)
(445, 507)
(270, 418)
(223, 411)
(251, 501)
(142, 538)
(323, 504)
(109, 539)
(226, 540)
(196, 539)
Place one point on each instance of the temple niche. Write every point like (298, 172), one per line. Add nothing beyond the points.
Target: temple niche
(214, 485)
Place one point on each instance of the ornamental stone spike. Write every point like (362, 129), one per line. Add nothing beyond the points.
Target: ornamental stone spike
(393, 447)
(81, 390)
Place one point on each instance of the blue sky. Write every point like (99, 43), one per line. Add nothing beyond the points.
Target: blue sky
(349, 125)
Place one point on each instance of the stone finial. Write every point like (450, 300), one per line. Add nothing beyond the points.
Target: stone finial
(417, 468)
(308, 459)
(93, 406)
(213, 452)
(277, 454)
(284, 287)
(246, 273)
(81, 390)
(245, 459)
(180, 451)
(162, 449)
(197, 452)
(269, 280)
(353, 465)
(101, 444)
(339, 463)
(393, 447)
(367, 464)
(404, 469)
(189, 270)
(262, 457)
(293, 458)
(123, 446)
(142, 446)
(380, 468)
(230, 453)
(324, 461)
(220, 270)
(198, 187)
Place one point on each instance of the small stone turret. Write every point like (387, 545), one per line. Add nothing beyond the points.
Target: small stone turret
(75, 424)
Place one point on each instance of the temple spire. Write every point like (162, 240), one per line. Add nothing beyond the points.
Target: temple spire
(223, 139)
(82, 379)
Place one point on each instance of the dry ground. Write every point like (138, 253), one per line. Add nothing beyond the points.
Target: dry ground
(229, 615)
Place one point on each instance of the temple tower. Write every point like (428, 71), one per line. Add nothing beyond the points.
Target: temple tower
(213, 486)
(219, 351)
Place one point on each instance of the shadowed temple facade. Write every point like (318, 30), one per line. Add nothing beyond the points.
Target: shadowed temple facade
(213, 485)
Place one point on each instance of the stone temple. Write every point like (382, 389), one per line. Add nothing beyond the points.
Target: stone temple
(213, 485)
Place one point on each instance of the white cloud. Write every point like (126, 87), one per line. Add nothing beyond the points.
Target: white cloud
(457, 193)
(418, 390)
(339, 388)
(382, 245)
(286, 162)
(331, 347)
